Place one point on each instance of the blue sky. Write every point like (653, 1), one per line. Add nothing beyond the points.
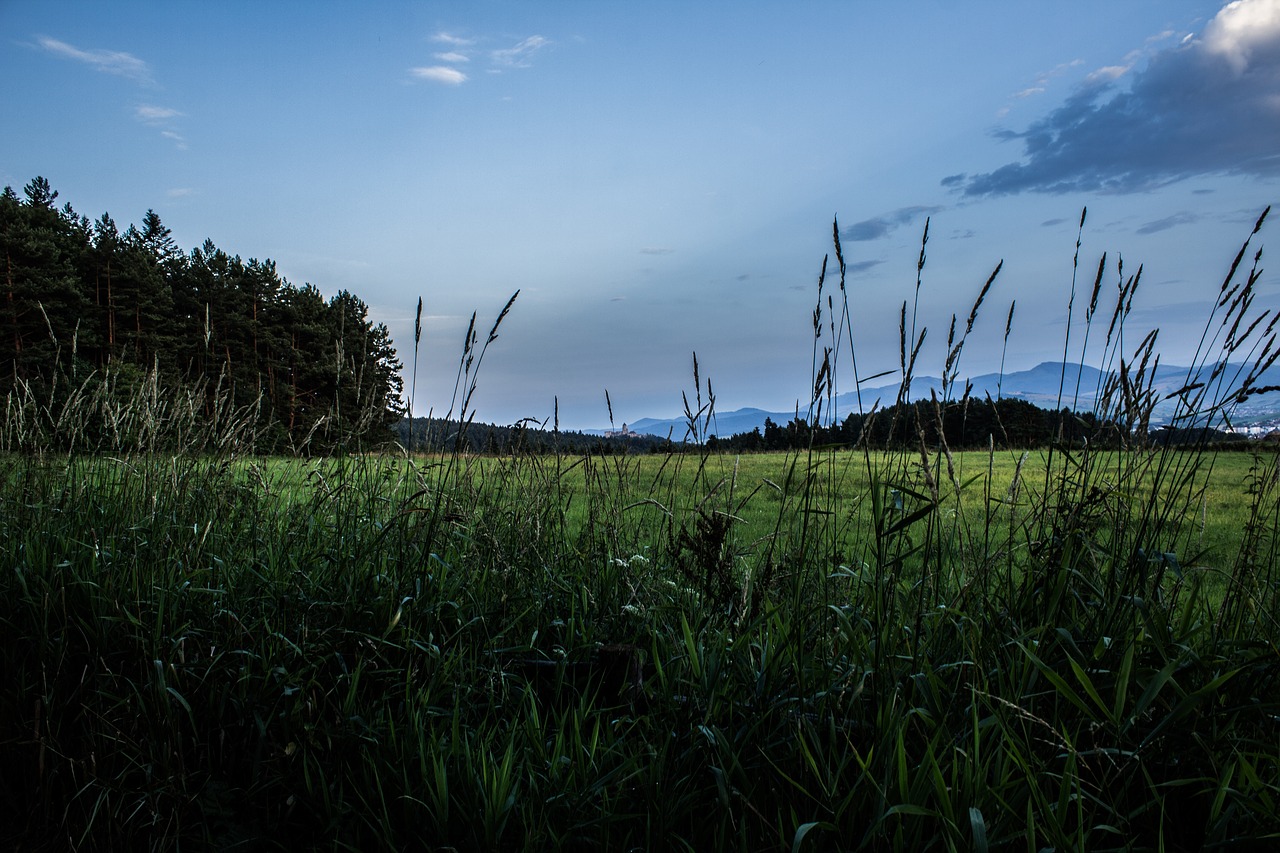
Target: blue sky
(661, 178)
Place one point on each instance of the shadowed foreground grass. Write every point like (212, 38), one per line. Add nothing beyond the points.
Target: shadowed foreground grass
(388, 659)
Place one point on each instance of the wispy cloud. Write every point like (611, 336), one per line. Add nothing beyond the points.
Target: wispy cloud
(161, 117)
(450, 39)
(462, 50)
(1208, 105)
(180, 192)
(862, 266)
(154, 115)
(1168, 222)
(1041, 84)
(656, 250)
(439, 74)
(124, 65)
(882, 226)
(520, 56)
(107, 61)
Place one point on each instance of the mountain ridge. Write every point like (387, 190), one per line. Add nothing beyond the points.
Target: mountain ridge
(1039, 385)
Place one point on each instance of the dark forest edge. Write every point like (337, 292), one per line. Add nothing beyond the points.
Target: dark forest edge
(119, 341)
(1005, 424)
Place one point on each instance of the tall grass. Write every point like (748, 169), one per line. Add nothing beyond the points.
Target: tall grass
(534, 652)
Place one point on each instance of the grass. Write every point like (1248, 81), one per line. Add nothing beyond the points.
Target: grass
(824, 650)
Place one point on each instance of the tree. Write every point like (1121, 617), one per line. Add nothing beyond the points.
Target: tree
(72, 290)
(44, 295)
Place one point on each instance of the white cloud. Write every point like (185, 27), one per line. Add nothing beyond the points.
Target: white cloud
(1108, 73)
(154, 115)
(439, 74)
(521, 55)
(456, 41)
(180, 192)
(107, 61)
(1242, 29)
(453, 56)
(178, 139)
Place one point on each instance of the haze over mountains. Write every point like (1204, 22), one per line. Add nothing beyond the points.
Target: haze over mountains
(1039, 385)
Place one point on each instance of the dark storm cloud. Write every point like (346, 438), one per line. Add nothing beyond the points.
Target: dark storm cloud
(1208, 106)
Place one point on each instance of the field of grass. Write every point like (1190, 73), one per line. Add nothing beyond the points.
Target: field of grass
(1071, 649)
(532, 652)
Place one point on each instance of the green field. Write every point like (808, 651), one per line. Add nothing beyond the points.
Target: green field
(826, 650)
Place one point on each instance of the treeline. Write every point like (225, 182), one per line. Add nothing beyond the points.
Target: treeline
(965, 424)
(971, 424)
(88, 306)
(437, 435)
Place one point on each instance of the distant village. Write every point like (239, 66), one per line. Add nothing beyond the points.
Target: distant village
(621, 433)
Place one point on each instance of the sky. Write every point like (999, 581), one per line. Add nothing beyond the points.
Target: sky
(661, 178)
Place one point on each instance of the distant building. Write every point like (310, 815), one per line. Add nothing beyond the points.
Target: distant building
(621, 433)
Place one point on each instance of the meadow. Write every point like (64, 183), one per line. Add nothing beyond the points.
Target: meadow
(909, 648)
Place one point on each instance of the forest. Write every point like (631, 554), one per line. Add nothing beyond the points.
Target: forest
(91, 312)
(967, 424)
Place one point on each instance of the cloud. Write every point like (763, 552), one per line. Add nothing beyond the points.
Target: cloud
(1245, 32)
(862, 266)
(124, 65)
(107, 61)
(161, 117)
(520, 56)
(1168, 222)
(180, 192)
(882, 226)
(154, 115)
(1108, 73)
(656, 250)
(450, 39)
(1209, 105)
(440, 74)
(463, 50)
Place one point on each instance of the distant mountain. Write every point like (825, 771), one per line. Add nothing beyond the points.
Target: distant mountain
(1038, 385)
(727, 423)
